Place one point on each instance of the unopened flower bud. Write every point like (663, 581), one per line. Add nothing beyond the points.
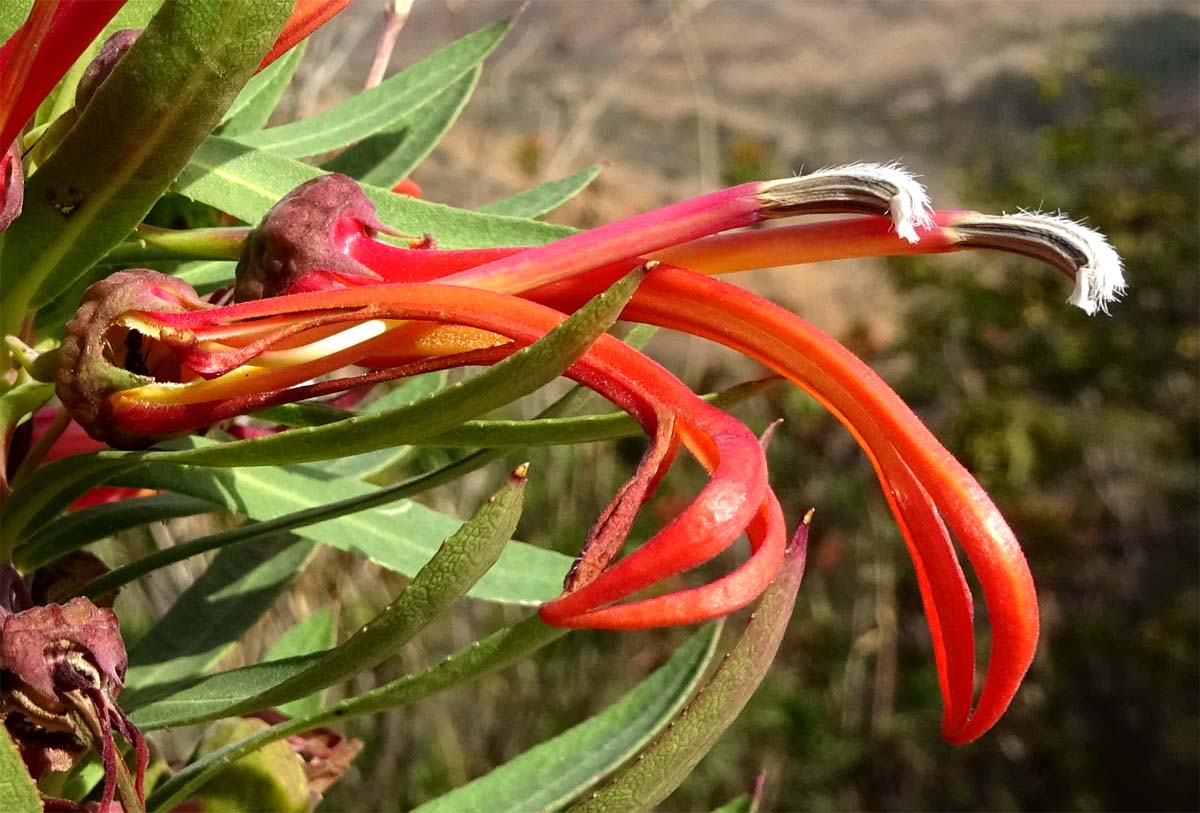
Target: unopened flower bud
(102, 65)
(308, 232)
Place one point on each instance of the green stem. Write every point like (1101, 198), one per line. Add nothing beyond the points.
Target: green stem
(149, 243)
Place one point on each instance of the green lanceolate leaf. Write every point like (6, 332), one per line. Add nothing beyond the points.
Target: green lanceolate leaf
(131, 141)
(494, 652)
(72, 531)
(382, 106)
(520, 374)
(39, 497)
(663, 765)
(543, 198)
(311, 635)
(246, 182)
(198, 698)
(386, 158)
(460, 562)
(549, 775)
(254, 105)
(209, 617)
(18, 793)
(204, 698)
(344, 513)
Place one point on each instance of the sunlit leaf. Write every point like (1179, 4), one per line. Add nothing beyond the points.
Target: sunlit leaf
(209, 617)
(549, 775)
(666, 762)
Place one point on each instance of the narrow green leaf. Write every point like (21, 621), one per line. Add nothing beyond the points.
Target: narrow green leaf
(254, 105)
(310, 635)
(245, 182)
(520, 374)
(199, 698)
(372, 110)
(50, 489)
(387, 157)
(130, 143)
(549, 775)
(209, 617)
(543, 198)
(495, 652)
(662, 766)
(460, 562)
(399, 534)
(18, 793)
(72, 531)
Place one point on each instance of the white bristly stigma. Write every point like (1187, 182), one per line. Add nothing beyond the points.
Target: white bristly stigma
(882, 189)
(909, 206)
(1082, 252)
(1100, 280)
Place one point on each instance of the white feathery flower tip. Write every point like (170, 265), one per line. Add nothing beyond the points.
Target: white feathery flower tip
(1100, 279)
(908, 204)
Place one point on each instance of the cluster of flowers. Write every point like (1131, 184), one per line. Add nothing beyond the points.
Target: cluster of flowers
(323, 304)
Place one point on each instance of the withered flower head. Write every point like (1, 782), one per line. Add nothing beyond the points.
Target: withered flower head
(99, 357)
(63, 667)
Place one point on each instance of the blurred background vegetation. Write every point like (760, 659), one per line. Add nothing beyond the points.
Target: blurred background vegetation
(1083, 429)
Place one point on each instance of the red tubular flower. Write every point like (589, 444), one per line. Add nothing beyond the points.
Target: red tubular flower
(307, 17)
(925, 486)
(191, 364)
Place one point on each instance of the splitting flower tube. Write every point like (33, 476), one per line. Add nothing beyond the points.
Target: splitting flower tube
(129, 376)
(927, 489)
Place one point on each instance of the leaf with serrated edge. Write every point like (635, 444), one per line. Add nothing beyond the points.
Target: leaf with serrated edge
(666, 762)
(543, 198)
(373, 110)
(209, 617)
(131, 141)
(549, 775)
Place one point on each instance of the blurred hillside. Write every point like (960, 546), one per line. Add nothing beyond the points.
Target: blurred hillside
(1085, 430)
